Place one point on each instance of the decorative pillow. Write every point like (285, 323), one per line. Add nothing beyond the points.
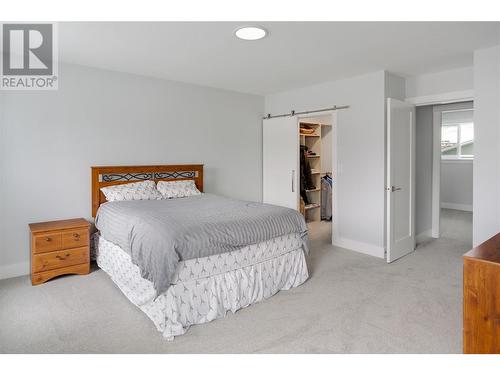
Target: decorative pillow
(177, 189)
(143, 190)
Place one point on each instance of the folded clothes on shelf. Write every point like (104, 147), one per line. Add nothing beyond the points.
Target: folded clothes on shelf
(306, 131)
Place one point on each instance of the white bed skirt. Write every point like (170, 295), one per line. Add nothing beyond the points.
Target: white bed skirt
(207, 288)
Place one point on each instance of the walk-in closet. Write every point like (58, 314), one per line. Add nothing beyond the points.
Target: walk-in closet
(298, 166)
(315, 163)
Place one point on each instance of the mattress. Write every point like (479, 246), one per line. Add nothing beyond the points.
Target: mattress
(158, 234)
(206, 288)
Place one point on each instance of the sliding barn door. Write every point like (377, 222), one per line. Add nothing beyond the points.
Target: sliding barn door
(281, 161)
(400, 179)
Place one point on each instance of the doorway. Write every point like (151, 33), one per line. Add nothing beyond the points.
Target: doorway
(445, 153)
(286, 140)
(316, 174)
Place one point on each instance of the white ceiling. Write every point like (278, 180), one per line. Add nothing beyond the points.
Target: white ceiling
(295, 54)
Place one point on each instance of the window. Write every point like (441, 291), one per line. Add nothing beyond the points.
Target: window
(457, 134)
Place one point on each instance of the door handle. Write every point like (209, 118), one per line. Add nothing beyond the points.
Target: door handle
(293, 180)
(394, 188)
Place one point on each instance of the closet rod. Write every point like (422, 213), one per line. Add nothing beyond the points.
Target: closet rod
(293, 113)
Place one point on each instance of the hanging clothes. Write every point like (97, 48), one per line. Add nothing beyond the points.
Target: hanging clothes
(326, 198)
(306, 181)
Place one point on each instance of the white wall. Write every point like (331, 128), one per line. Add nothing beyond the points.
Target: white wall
(456, 83)
(456, 184)
(395, 86)
(486, 214)
(49, 140)
(423, 170)
(361, 153)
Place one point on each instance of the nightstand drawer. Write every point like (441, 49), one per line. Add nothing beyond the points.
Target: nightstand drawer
(41, 277)
(75, 238)
(47, 242)
(59, 259)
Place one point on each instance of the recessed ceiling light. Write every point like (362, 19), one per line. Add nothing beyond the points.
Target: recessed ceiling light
(250, 33)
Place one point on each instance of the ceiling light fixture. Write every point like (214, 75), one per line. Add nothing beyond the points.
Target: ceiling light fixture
(250, 33)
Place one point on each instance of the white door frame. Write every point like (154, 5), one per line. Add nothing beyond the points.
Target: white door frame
(436, 173)
(335, 168)
(443, 98)
(336, 173)
(437, 110)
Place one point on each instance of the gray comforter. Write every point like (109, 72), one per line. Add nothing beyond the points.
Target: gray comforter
(159, 234)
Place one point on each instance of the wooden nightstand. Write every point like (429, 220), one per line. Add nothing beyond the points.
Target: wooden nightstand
(58, 248)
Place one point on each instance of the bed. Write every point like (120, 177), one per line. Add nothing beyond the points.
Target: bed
(186, 261)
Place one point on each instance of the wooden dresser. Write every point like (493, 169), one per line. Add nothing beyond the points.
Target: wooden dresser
(59, 248)
(482, 298)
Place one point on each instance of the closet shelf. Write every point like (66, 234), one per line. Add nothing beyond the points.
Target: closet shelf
(311, 206)
(312, 139)
(312, 190)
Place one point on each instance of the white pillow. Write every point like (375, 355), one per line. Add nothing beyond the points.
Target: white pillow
(143, 190)
(177, 189)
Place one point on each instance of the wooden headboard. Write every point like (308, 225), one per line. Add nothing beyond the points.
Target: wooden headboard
(117, 175)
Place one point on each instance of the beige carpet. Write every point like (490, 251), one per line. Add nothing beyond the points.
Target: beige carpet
(351, 304)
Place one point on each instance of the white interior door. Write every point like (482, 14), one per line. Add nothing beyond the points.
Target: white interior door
(400, 187)
(281, 161)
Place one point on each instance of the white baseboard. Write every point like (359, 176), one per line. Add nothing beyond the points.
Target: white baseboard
(360, 247)
(457, 206)
(425, 235)
(14, 270)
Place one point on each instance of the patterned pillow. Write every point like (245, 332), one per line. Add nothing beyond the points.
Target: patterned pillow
(143, 190)
(177, 189)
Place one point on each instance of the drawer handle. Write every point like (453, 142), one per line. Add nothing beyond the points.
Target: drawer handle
(62, 257)
(76, 235)
(48, 239)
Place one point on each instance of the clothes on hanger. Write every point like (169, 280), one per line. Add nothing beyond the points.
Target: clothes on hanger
(326, 197)
(305, 168)
(306, 180)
